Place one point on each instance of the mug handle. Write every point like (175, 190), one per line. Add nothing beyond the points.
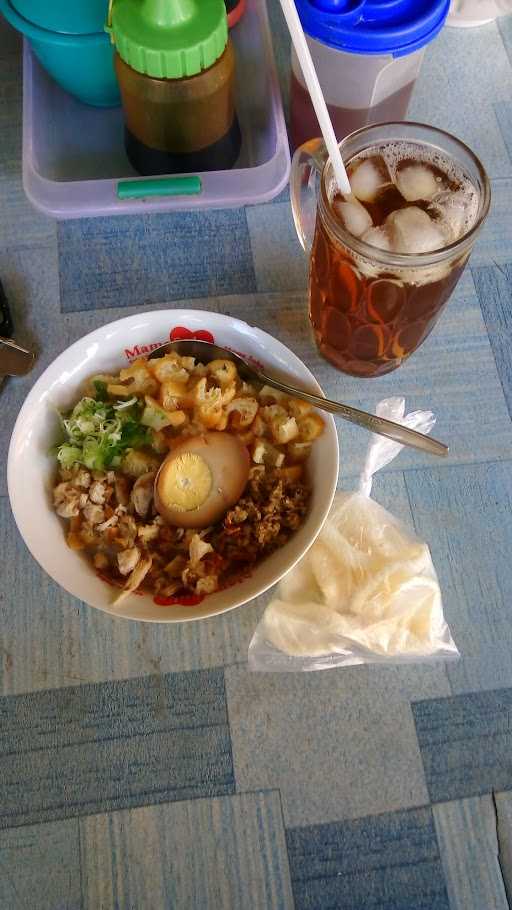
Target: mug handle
(307, 165)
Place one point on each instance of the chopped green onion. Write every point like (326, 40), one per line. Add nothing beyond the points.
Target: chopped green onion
(100, 388)
(121, 405)
(98, 432)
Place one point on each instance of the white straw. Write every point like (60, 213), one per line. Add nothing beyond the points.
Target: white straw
(302, 50)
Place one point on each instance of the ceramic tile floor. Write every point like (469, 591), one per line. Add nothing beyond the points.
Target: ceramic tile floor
(147, 768)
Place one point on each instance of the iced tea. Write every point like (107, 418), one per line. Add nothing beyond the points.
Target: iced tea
(382, 263)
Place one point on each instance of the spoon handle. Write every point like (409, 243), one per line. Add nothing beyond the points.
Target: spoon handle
(379, 425)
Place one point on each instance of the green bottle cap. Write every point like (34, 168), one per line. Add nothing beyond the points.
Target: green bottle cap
(169, 39)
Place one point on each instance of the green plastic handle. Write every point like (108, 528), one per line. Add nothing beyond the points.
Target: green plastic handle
(167, 186)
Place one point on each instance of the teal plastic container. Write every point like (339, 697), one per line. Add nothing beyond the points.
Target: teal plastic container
(81, 64)
(72, 17)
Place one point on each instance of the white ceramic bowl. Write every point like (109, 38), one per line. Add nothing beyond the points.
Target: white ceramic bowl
(31, 469)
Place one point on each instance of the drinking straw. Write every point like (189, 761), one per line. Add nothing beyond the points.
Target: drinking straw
(308, 69)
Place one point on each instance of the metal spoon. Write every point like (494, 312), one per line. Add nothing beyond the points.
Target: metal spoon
(205, 352)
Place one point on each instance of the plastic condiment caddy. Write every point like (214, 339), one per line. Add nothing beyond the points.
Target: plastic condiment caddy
(75, 166)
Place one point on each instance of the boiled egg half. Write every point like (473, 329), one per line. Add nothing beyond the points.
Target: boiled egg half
(201, 479)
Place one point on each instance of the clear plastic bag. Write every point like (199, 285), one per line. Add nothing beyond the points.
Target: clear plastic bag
(365, 592)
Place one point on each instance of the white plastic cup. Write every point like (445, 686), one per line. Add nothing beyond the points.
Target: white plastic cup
(366, 68)
(358, 90)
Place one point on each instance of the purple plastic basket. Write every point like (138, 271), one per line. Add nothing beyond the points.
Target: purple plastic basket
(74, 158)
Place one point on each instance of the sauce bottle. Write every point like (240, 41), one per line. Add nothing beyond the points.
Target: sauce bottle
(175, 66)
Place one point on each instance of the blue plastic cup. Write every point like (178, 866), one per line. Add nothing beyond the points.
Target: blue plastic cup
(81, 64)
(71, 17)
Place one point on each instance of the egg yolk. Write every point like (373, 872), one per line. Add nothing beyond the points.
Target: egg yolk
(186, 483)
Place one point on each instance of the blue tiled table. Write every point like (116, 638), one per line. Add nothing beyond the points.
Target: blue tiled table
(145, 767)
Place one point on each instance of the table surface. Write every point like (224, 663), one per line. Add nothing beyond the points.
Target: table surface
(144, 766)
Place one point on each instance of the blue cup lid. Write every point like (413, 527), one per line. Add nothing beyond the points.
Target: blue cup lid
(396, 27)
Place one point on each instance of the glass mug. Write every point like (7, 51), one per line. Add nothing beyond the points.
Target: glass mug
(371, 307)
